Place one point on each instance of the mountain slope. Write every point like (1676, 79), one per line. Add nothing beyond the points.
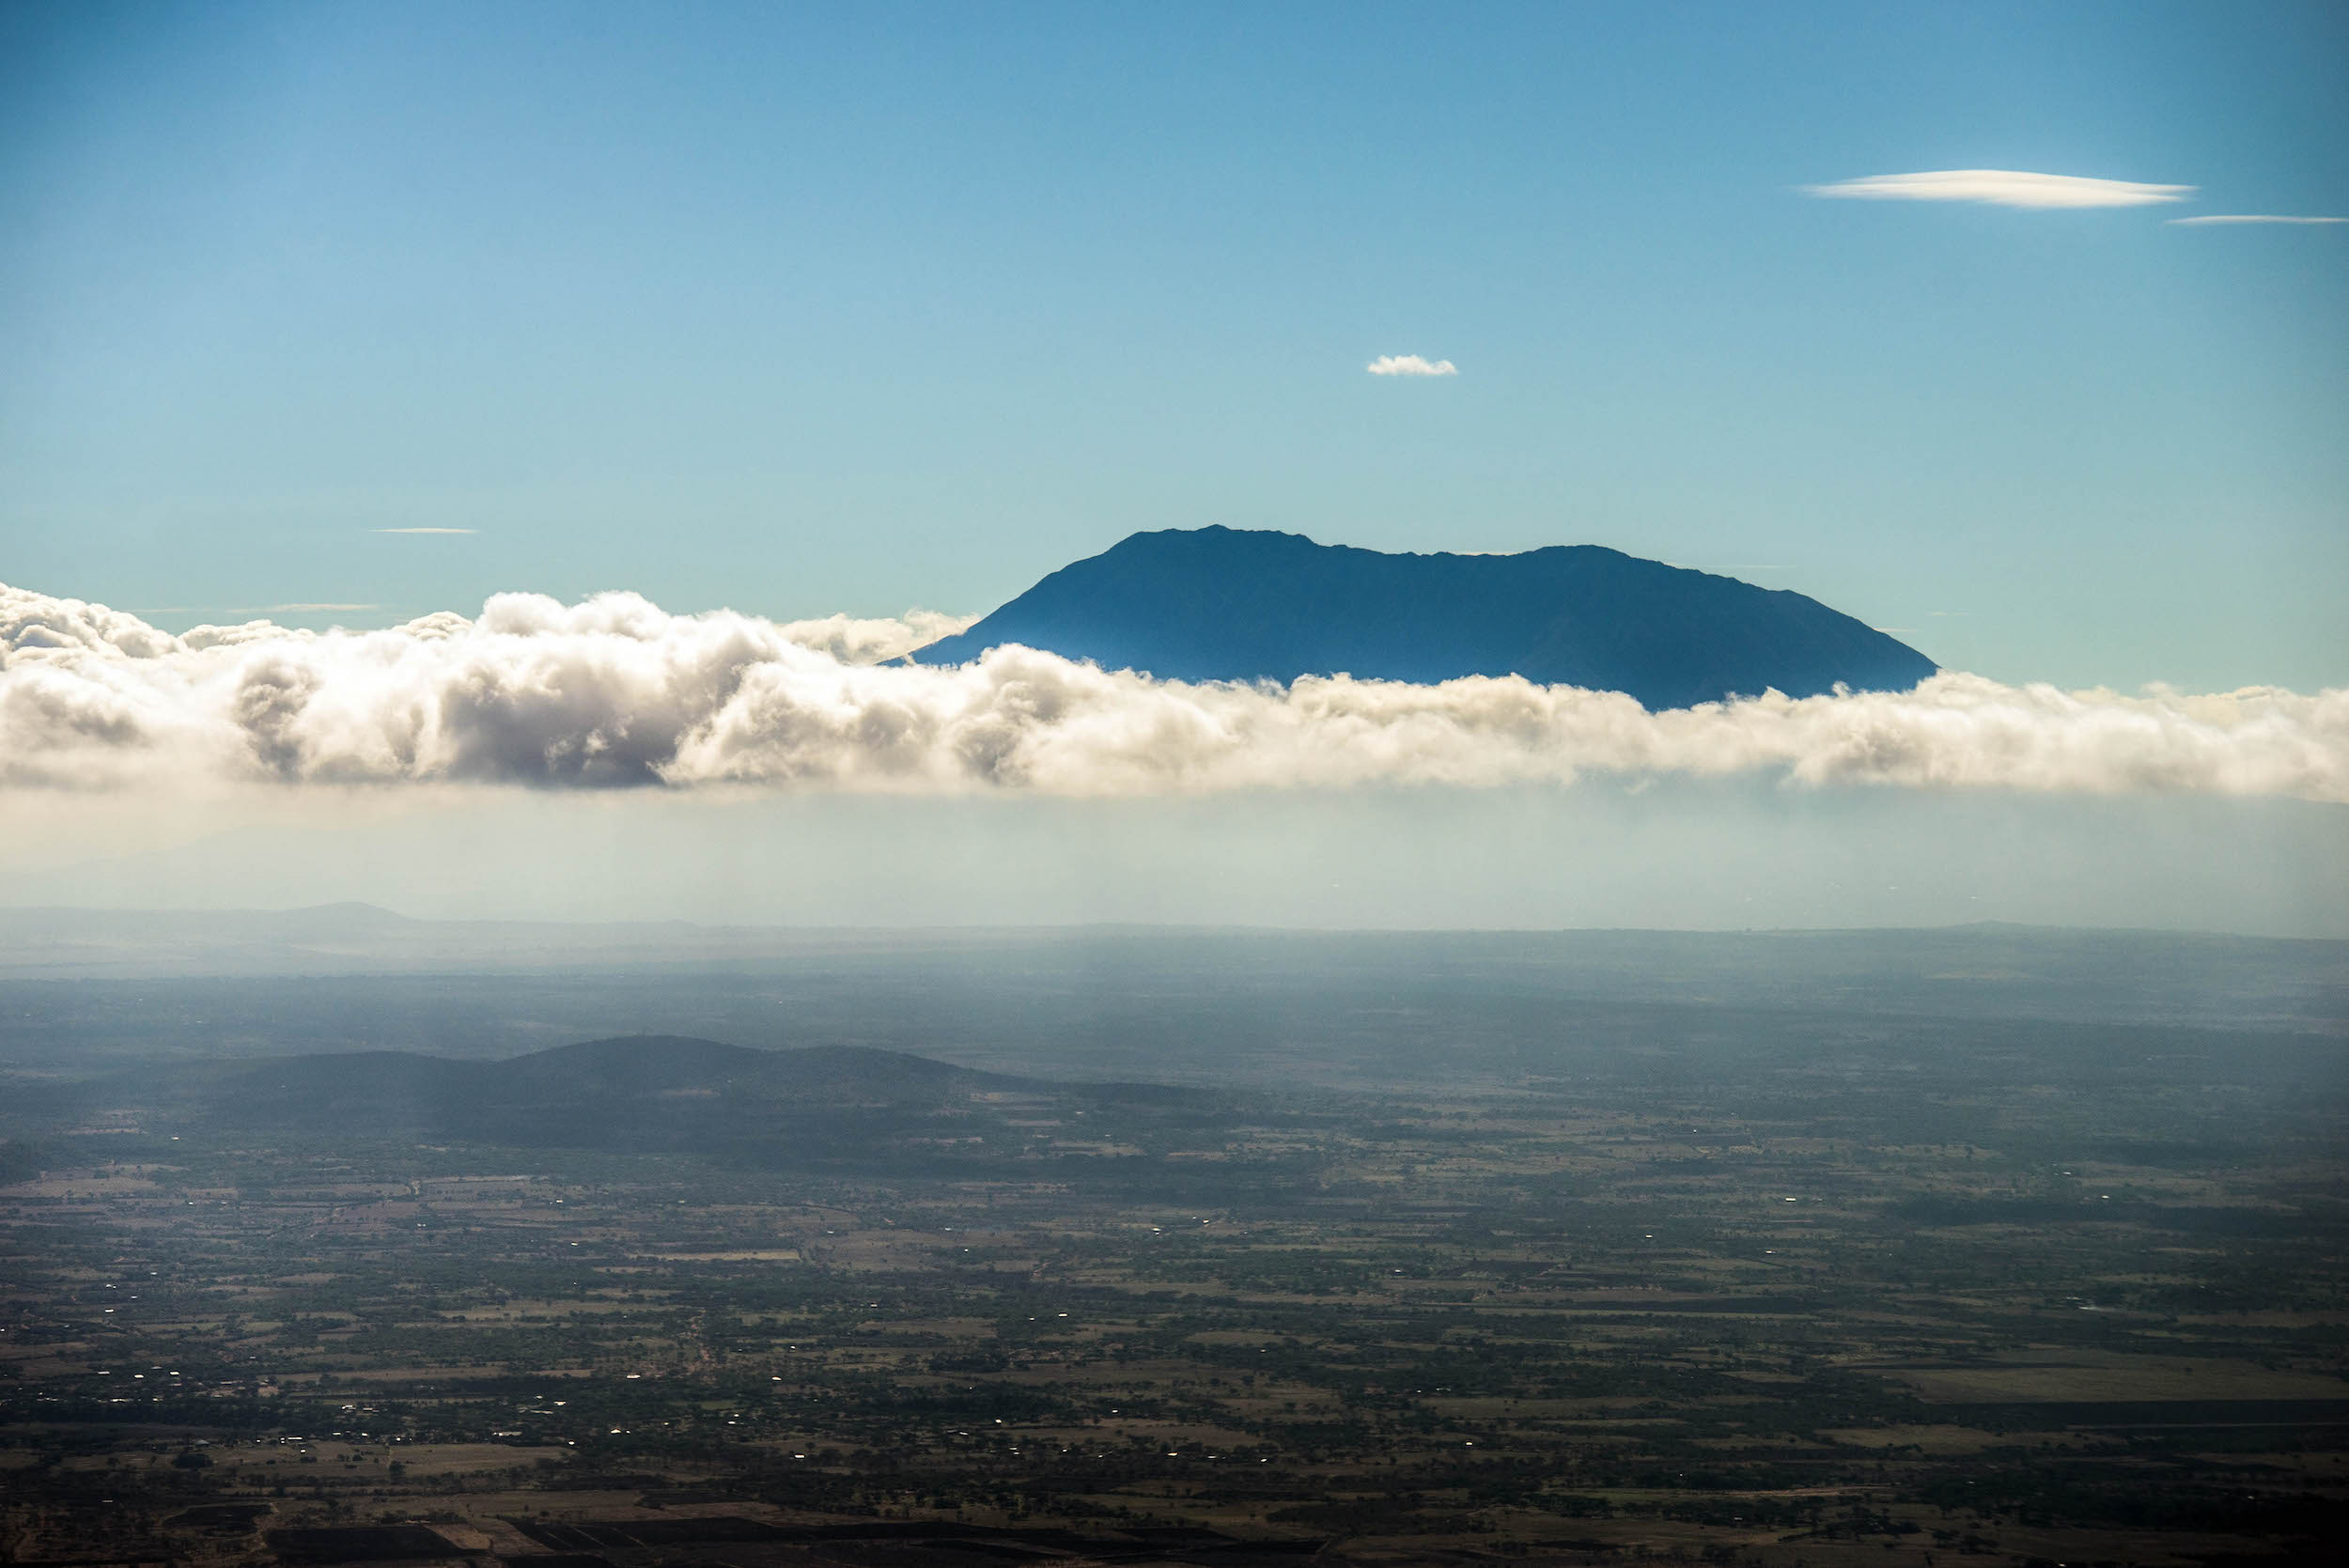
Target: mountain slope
(1222, 604)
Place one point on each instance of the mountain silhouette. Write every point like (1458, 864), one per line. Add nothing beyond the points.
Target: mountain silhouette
(1227, 604)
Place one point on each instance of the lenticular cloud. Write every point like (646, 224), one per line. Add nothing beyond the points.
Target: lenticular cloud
(614, 691)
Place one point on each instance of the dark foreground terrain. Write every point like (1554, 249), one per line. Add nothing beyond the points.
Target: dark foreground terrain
(1798, 1277)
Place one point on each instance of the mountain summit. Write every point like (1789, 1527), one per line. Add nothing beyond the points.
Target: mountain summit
(1225, 604)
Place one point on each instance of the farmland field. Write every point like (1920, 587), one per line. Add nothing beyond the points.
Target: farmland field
(1766, 1285)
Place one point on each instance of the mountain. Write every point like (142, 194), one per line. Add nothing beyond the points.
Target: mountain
(1227, 604)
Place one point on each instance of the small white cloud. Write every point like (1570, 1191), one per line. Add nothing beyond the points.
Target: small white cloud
(2256, 218)
(426, 530)
(2005, 188)
(1410, 365)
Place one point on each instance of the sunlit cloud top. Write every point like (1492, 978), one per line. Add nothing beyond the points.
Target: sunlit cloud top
(1410, 365)
(614, 691)
(2004, 188)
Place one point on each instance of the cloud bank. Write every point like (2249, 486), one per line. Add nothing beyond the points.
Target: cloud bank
(1410, 365)
(614, 691)
(2004, 188)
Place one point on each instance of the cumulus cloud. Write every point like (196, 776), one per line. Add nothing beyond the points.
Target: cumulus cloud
(1410, 365)
(616, 692)
(2252, 218)
(2004, 188)
(873, 642)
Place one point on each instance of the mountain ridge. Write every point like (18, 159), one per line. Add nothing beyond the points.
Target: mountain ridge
(1219, 603)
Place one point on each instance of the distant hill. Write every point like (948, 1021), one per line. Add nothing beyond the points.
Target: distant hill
(627, 1084)
(820, 1106)
(1223, 604)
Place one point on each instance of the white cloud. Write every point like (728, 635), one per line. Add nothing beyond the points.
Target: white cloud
(2004, 188)
(616, 692)
(1410, 365)
(874, 642)
(2253, 218)
(425, 531)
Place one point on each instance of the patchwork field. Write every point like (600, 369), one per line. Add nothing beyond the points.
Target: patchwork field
(1782, 1288)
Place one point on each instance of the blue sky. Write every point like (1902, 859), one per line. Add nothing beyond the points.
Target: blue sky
(804, 309)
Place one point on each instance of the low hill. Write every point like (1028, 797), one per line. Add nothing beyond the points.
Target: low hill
(628, 1083)
(1225, 604)
(820, 1106)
